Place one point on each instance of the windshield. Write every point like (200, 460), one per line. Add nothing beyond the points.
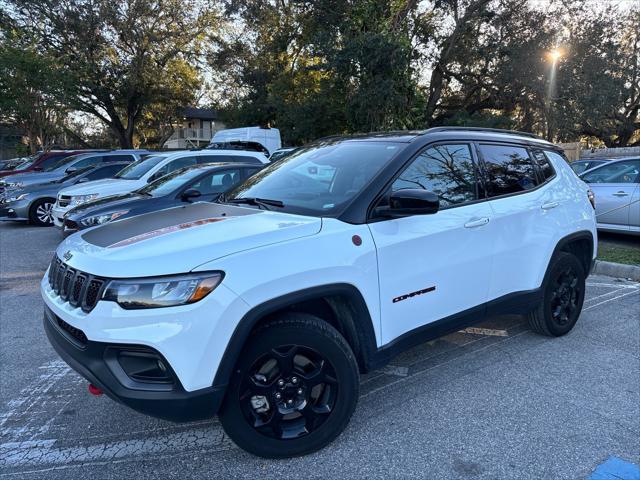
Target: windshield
(136, 170)
(62, 161)
(167, 184)
(321, 179)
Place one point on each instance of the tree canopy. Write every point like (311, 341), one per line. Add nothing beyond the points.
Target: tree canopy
(563, 69)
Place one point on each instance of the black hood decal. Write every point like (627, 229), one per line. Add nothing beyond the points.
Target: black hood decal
(149, 225)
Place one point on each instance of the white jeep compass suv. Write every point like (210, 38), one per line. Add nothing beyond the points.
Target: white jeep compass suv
(265, 307)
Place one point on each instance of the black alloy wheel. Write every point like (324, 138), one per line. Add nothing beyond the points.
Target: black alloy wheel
(289, 392)
(293, 390)
(563, 296)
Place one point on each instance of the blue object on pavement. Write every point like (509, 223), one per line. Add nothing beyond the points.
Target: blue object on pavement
(616, 469)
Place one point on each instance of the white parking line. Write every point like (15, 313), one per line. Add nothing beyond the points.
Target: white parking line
(591, 299)
(42, 452)
(615, 285)
(421, 372)
(611, 299)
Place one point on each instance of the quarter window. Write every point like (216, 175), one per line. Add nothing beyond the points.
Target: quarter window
(545, 169)
(509, 169)
(446, 170)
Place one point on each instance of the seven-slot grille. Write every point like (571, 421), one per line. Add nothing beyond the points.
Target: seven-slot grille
(78, 288)
(64, 200)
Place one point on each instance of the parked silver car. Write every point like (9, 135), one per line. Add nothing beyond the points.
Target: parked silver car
(581, 166)
(616, 188)
(34, 203)
(66, 165)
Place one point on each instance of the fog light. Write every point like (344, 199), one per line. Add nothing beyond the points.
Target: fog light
(144, 367)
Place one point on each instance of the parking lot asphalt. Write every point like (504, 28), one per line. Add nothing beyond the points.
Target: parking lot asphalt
(497, 401)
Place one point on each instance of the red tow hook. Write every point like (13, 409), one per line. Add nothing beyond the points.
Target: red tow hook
(93, 390)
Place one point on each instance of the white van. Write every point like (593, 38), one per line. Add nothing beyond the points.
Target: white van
(269, 138)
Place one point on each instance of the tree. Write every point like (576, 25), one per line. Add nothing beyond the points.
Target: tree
(30, 88)
(598, 91)
(316, 68)
(121, 56)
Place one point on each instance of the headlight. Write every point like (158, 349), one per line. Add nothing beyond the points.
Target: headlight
(79, 199)
(16, 198)
(14, 185)
(100, 219)
(162, 291)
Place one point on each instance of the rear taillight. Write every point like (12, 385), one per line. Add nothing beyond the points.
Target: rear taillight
(592, 198)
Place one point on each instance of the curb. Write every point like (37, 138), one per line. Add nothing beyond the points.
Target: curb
(619, 270)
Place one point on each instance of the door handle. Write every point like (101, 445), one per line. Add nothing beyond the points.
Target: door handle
(476, 223)
(620, 194)
(549, 205)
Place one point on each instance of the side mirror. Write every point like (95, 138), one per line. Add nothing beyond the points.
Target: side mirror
(410, 201)
(190, 194)
(71, 170)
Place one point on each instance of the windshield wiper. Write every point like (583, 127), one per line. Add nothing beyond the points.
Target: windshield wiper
(260, 202)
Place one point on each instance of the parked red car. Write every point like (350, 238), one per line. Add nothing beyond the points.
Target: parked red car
(41, 161)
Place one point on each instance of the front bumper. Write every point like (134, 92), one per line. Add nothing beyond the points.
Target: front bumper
(98, 363)
(15, 211)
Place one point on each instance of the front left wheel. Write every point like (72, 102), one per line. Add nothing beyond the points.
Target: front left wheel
(41, 212)
(294, 389)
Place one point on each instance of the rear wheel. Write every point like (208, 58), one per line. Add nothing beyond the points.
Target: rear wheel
(563, 297)
(294, 389)
(41, 212)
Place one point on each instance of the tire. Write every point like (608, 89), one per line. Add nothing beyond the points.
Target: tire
(318, 395)
(41, 213)
(563, 296)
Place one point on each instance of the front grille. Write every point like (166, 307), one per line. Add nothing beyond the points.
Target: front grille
(64, 200)
(78, 288)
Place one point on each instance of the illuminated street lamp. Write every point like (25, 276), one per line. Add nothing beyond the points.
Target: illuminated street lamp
(554, 55)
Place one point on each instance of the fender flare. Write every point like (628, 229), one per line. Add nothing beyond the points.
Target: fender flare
(358, 329)
(563, 242)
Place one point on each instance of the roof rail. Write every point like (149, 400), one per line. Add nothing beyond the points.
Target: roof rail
(482, 129)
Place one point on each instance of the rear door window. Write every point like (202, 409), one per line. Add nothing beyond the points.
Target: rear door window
(509, 169)
(545, 169)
